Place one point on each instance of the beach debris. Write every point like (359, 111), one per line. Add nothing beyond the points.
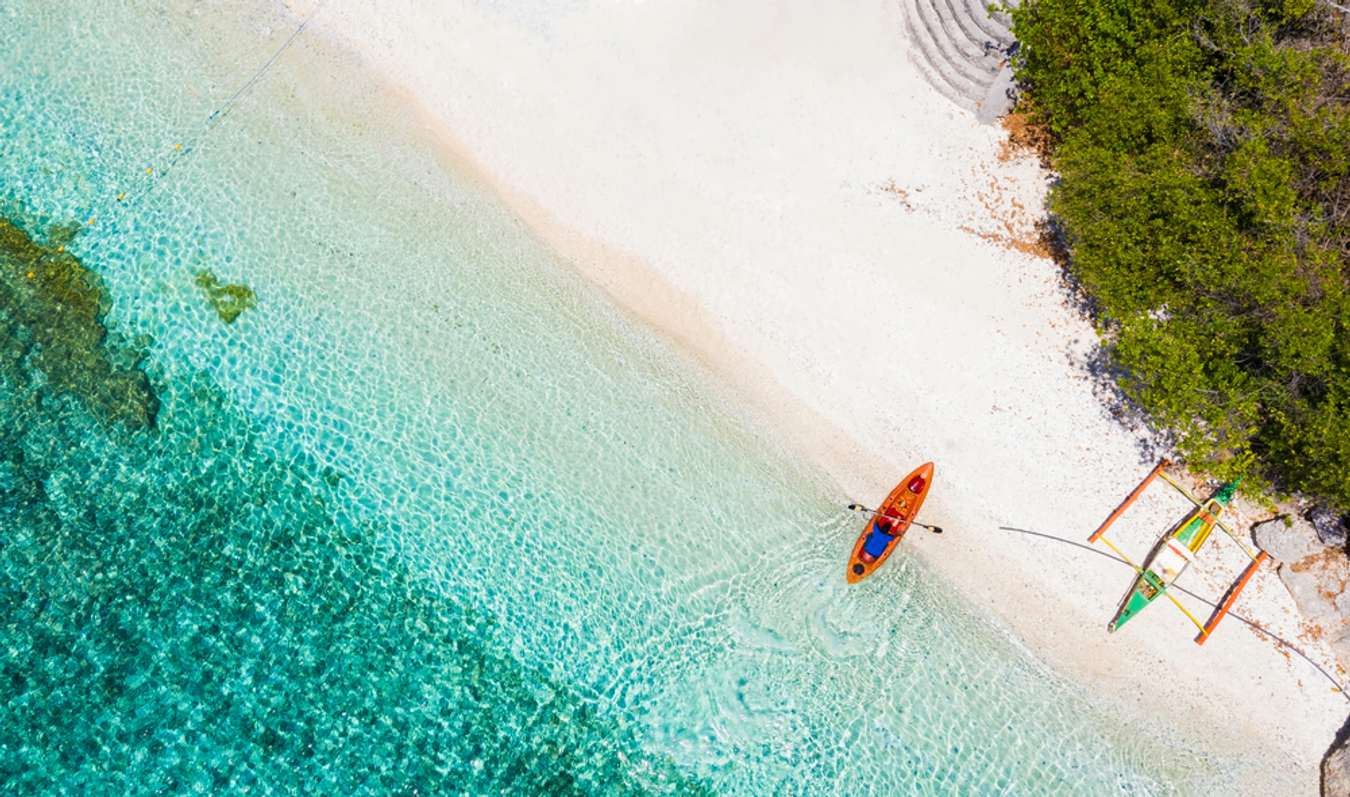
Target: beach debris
(1026, 138)
(903, 194)
(229, 300)
(1015, 227)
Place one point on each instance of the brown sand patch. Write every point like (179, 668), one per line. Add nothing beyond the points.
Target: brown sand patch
(1025, 138)
(1016, 228)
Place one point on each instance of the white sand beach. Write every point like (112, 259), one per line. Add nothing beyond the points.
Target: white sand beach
(775, 186)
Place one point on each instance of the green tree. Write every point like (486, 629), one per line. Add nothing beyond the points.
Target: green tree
(1203, 153)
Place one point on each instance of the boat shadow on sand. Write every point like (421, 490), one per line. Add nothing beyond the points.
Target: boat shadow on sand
(1282, 642)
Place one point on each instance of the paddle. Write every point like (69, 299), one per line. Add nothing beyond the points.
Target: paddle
(861, 508)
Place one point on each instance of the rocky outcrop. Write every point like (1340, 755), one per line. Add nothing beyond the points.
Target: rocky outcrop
(1336, 766)
(1287, 538)
(1316, 574)
(1310, 555)
(963, 50)
(1329, 525)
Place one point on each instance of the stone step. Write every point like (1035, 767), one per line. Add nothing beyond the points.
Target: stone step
(941, 85)
(922, 35)
(948, 39)
(944, 46)
(996, 26)
(954, 35)
(949, 85)
(969, 28)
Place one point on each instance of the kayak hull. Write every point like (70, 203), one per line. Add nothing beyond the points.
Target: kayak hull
(902, 505)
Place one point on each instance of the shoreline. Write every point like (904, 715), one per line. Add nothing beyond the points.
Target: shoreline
(646, 297)
(1049, 597)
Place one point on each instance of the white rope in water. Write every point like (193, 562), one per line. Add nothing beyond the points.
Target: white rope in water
(149, 180)
(219, 114)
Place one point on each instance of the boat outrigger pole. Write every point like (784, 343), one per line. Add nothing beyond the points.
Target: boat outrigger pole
(1221, 611)
(1130, 499)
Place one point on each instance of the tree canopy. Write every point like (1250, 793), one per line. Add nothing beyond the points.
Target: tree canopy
(1203, 155)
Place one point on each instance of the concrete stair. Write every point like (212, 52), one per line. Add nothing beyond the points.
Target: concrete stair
(949, 38)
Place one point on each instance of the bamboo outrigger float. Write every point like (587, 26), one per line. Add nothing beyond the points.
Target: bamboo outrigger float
(1175, 552)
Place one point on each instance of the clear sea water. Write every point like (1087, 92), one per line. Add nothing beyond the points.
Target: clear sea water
(431, 517)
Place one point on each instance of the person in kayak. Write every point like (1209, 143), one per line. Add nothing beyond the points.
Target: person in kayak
(878, 540)
(882, 534)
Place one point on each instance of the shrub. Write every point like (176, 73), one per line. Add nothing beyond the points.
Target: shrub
(1203, 153)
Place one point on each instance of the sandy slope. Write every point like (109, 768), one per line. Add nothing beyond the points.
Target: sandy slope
(752, 178)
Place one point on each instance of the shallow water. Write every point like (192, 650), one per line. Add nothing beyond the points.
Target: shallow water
(429, 516)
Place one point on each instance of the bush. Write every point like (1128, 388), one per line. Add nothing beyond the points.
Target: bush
(1203, 150)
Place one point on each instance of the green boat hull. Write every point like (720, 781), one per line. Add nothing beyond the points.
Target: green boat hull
(1151, 583)
(1147, 588)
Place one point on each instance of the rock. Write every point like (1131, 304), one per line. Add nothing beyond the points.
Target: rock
(1329, 525)
(227, 300)
(998, 98)
(1287, 543)
(1315, 574)
(1314, 567)
(1336, 768)
(1340, 647)
(1317, 583)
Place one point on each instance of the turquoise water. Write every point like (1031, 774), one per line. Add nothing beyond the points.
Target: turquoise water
(430, 517)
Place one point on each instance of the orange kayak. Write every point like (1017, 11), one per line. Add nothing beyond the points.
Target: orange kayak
(884, 530)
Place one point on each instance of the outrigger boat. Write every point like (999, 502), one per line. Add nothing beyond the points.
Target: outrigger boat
(1173, 555)
(888, 523)
(1175, 552)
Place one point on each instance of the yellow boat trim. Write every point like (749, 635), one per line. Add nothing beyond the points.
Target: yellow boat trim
(1166, 592)
(1232, 535)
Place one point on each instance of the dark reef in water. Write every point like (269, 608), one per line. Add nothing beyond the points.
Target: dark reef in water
(228, 300)
(184, 612)
(51, 316)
